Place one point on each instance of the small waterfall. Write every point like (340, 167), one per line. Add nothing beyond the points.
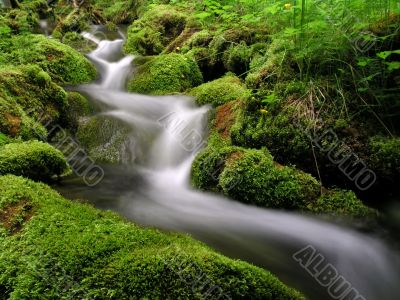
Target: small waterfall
(169, 131)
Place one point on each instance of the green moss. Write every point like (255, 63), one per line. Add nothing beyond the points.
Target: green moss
(385, 155)
(200, 39)
(14, 122)
(272, 67)
(78, 42)
(237, 58)
(3, 139)
(341, 202)
(166, 74)
(76, 19)
(34, 92)
(20, 21)
(279, 133)
(222, 42)
(64, 64)
(155, 30)
(104, 139)
(35, 160)
(203, 58)
(220, 91)
(78, 106)
(109, 258)
(252, 176)
(120, 11)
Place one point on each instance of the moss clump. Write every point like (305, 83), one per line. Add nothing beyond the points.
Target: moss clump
(252, 176)
(104, 139)
(272, 65)
(202, 56)
(120, 11)
(78, 42)
(78, 106)
(237, 58)
(200, 39)
(155, 30)
(72, 19)
(34, 92)
(166, 74)
(108, 257)
(14, 122)
(220, 91)
(385, 155)
(35, 160)
(64, 64)
(341, 202)
(20, 21)
(287, 141)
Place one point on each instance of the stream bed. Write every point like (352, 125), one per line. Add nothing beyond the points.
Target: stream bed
(152, 188)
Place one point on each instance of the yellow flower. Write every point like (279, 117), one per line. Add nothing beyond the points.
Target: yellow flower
(263, 111)
(288, 6)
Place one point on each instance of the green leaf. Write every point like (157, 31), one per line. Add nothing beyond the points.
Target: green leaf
(363, 61)
(394, 65)
(384, 54)
(203, 15)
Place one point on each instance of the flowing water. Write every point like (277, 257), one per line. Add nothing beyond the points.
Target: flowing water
(153, 189)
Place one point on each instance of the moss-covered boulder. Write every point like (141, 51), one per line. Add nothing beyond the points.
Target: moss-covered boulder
(220, 91)
(19, 21)
(341, 202)
(28, 99)
(273, 64)
(78, 107)
(279, 133)
(14, 122)
(78, 42)
(104, 139)
(64, 64)
(166, 74)
(35, 160)
(159, 26)
(120, 11)
(109, 258)
(252, 176)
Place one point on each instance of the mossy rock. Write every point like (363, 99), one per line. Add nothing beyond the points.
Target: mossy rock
(14, 122)
(159, 26)
(209, 70)
(105, 140)
(341, 202)
(257, 128)
(166, 74)
(109, 258)
(200, 39)
(252, 176)
(120, 11)
(33, 159)
(35, 94)
(220, 91)
(237, 58)
(64, 64)
(385, 155)
(78, 106)
(74, 20)
(20, 21)
(78, 42)
(271, 66)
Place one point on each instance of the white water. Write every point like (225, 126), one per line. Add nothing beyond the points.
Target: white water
(166, 131)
